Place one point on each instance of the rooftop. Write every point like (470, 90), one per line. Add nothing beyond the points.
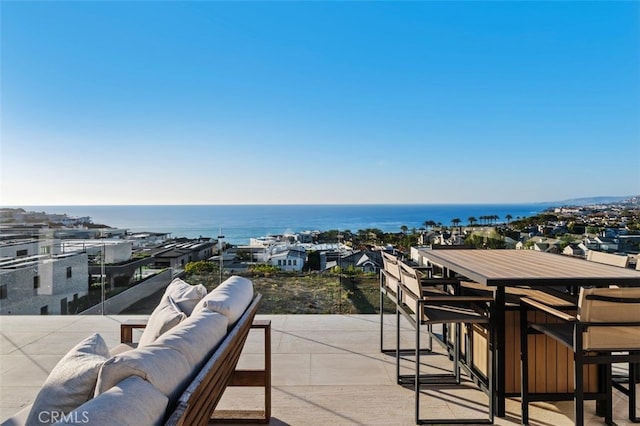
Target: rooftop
(327, 369)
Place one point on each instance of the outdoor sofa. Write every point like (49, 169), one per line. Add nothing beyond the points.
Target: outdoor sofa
(175, 375)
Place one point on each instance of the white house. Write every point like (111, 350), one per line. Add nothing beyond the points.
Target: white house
(287, 258)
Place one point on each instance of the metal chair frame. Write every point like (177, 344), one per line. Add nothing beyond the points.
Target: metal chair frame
(570, 334)
(433, 307)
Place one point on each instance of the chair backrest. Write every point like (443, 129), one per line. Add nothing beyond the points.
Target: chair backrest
(391, 273)
(391, 266)
(610, 305)
(608, 258)
(411, 281)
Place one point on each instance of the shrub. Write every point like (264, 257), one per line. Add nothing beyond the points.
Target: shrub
(200, 267)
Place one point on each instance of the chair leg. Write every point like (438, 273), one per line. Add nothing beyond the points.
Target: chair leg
(398, 345)
(417, 361)
(381, 320)
(633, 371)
(608, 416)
(578, 380)
(524, 367)
(456, 353)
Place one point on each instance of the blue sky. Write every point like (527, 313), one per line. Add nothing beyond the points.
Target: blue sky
(318, 102)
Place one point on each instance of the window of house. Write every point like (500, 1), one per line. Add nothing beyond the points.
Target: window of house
(289, 262)
(68, 271)
(36, 282)
(20, 253)
(3, 291)
(279, 262)
(295, 262)
(44, 310)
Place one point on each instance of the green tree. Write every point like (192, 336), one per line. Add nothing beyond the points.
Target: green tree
(472, 220)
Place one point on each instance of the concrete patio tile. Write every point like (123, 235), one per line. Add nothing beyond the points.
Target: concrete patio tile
(19, 339)
(255, 341)
(55, 343)
(343, 370)
(15, 398)
(6, 344)
(33, 374)
(286, 369)
(330, 322)
(24, 323)
(343, 405)
(328, 341)
(278, 322)
(24, 363)
(90, 323)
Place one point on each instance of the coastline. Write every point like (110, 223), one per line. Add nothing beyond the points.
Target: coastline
(238, 223)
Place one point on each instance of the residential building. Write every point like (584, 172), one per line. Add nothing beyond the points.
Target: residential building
(42, 284)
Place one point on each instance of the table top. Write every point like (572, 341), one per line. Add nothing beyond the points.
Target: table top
(529, 268)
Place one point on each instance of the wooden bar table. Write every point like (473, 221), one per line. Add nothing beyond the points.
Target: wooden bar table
(499, 269)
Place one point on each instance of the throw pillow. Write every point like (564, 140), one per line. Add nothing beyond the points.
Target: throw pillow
(197, 336)
(133, 401)
(162, 366)
(71, 382)
(185, 295)
(163, 318)
(230, 298)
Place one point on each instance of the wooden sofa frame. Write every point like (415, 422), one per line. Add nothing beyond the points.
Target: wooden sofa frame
(197, 404)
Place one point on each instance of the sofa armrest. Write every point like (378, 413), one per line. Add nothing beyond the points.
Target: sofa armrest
(126, 329)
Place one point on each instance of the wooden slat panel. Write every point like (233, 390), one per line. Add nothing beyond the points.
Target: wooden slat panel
(512, 354)
(540, 352)
(551, 361)
(515, 319)
(564, 361)
(480, 350)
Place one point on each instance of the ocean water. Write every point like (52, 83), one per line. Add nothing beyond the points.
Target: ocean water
(238, 223)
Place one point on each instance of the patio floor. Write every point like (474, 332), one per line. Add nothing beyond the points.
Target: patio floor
(327, 369)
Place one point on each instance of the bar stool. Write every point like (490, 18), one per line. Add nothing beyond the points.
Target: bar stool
(431, 307)
(605, 331)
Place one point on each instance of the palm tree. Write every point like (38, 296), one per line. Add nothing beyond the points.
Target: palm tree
(456, 221)
(472, 220)
(508, 217)
(404, 229)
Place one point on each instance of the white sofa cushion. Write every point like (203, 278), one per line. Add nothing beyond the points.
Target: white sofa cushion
(164, 317)
(133, 401)
(164, 367)
(71, 382)
(230, 298)
(197, 336)
(185, 295)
